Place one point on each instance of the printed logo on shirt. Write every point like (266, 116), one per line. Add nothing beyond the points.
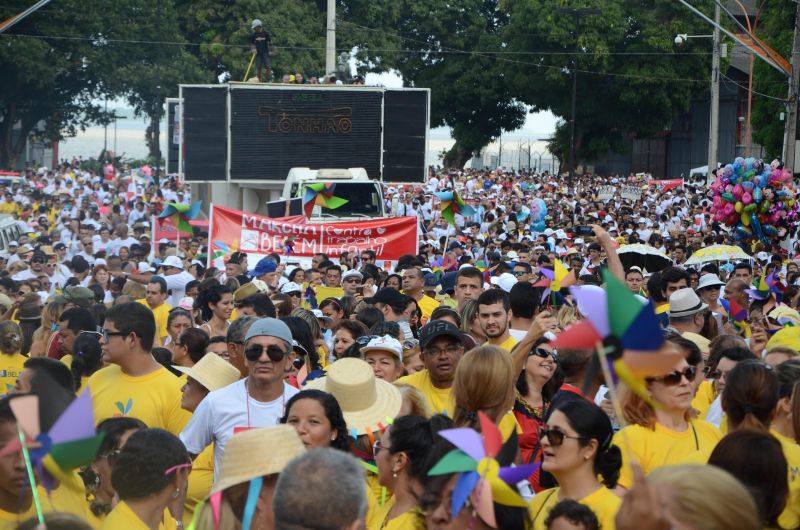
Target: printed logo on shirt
(124, 409)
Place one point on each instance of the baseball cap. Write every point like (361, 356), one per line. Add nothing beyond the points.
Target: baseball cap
(386, 343)
(264, 266)
(269, 327)
(454, 245)
(352, 273)
(172, 261)
(388, 296)
(291, 287)
(78, 295)
(438, 328)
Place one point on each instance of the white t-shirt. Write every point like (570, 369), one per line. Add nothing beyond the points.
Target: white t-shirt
(177, 284)
(225, 409)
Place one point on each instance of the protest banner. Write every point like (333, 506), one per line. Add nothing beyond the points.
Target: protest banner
(233, 230)
(631, 193)
(666, 185)
(605, 193)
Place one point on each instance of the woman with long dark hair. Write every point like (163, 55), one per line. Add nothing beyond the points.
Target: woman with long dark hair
(318, 420)
(216, 305)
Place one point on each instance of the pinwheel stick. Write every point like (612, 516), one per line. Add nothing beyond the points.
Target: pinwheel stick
(612, 393)
(29, 467)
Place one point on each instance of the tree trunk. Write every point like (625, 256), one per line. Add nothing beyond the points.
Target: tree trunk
(457, 156)
(153, 150)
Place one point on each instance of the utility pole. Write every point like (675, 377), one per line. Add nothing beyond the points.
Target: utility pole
(105, 130)
(713, 131)
(790, 133)
(500, 153)
(330, 39)
(157, 106)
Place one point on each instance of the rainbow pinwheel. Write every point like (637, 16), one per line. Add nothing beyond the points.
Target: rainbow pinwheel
(181, 214)
(224, 249)
(71, 441)
(626, 329)
(766, 286)
(556, 279)
(321, 194)
(451, 204)
(483, 464)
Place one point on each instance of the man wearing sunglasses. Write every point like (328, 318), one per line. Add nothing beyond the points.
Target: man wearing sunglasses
(253, 402)
(134, 384)
(37, 263)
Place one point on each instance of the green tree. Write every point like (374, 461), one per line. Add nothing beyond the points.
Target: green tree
(60, 63)
(424, 41)
(632, 81)
(775, 28)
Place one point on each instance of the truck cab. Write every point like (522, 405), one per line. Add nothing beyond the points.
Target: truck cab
(364, 195)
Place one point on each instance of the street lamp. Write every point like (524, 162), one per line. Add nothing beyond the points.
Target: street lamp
(576, 12)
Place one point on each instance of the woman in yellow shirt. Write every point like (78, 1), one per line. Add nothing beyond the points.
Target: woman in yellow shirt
(97, 477)
(150, 474)
(787, 414)
(11, 360)
(665, 435)
(400, 455)
(577, 448)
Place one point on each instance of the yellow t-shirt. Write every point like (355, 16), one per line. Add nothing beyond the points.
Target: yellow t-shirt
(154, 398)
(507, 344)
(200, 481)
(410, 520)
(602, 502)
(123, 517)
(662, 446)
(161, 314)
(704, 398)
(9, 521)
(440, 400)
(68, 497)
(427, 305)
(790, 517)
(10, 368)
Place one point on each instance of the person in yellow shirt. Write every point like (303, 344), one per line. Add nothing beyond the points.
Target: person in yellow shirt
(210, 373)
(401, 456)
(150, 476)
(413, 286)
(665, 435)
(156, 300)
(16, 502)
(577, 448)
(494, 316)
(442, 348)
(134, 384)
(11, 360)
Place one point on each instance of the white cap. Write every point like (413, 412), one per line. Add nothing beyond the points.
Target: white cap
(319, 314)
(100, 261)
(291, 287)
(512, 255)
(386, 343)
(172, 261)
(352, 272)
(762, 256)
(13, 244)
(579, 241)
(506, 281)
(560, 234)
(143, 267)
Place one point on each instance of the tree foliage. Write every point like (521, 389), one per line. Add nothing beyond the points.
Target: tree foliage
(776, 28)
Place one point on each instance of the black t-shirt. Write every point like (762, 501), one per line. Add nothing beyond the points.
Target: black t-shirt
(261, 40)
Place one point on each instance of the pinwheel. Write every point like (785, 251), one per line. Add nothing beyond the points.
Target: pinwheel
(321, 194)
(181, 214)
(67, 436)
(555, 280)
(451, 204)
(483, 464)
(766, 286)
(287, 246)
(623, 330)
(224, 249)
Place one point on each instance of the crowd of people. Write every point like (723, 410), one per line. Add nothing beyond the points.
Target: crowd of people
(334, 395)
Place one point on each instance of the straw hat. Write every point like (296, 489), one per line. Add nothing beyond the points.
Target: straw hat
(212, 371)
(365, 400)
(257, 453)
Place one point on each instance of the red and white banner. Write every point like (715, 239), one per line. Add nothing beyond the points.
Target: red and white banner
(233, 230)
(666, 185)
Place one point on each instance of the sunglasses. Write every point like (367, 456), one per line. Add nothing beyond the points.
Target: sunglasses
(254, 352)
(674, 378)
(556, 437)
(377, 447)
(37, 260)
(111, 456)
(544, 354)
(364, 339)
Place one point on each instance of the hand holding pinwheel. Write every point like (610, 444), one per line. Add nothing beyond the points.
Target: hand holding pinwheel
(453, 204)
(321, 194)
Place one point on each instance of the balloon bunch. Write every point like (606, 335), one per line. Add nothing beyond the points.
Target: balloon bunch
(757, 200)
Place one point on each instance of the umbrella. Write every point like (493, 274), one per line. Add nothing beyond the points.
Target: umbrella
(717, 253)
(643, 256)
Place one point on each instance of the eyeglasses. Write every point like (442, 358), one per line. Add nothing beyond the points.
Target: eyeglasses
(556, 437)
(520, 273)
(364, 339)
(543, 353)
(295, 294)
(93, 333)
(106, 334)
(674, 378)
(378, 447)
(254, 352)
(450, 350)
(410, 344)
(111, 456)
